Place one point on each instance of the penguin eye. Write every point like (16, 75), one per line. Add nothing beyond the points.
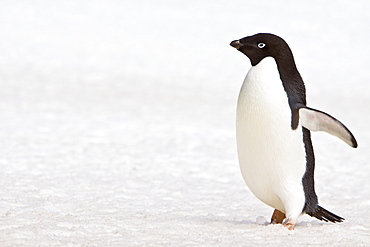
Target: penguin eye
(261, 45)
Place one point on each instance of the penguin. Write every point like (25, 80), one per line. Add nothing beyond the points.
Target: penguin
(273, 125)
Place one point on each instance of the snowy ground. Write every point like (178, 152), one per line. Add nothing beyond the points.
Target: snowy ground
(117, 121)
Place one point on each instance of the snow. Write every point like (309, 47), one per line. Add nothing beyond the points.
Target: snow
(117, 121)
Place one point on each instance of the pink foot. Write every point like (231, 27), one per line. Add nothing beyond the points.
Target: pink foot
(289, 224)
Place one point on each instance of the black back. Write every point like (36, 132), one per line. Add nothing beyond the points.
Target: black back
(262, 45)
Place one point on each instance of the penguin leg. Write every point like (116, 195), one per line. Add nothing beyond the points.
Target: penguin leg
(294, 201)
(292, 216)
(277, 217)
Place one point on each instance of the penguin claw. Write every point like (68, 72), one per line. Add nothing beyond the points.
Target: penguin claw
(289, 224)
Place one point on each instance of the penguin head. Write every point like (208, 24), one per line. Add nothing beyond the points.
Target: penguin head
(262, 45)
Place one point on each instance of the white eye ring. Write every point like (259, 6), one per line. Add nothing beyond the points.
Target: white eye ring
(261, 45)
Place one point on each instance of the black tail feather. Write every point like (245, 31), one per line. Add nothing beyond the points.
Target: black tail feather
(324, 215)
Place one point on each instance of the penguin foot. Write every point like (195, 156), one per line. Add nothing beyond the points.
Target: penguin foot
(289, 224)
(277, 217)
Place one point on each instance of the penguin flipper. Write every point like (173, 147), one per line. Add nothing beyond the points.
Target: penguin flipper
(316, 120)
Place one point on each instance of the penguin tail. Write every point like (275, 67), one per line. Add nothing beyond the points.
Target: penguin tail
(324, 215)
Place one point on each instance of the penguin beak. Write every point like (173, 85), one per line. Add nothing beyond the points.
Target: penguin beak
(236, 44)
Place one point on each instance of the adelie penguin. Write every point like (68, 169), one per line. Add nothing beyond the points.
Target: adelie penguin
(273, 132)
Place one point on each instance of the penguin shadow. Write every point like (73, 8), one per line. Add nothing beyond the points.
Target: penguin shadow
(313, 223)
(260, 220)
(215, 219)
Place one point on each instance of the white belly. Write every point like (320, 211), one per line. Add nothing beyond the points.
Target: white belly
(271, 155)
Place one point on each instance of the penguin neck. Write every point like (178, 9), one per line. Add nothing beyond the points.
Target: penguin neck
(286, 65)
(291, 78)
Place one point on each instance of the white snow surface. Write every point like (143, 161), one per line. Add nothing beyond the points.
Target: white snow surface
(117, 121)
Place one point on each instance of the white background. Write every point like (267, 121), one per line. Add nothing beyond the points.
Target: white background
(117, 121)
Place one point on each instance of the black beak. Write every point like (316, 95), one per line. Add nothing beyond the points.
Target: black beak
(236, 44)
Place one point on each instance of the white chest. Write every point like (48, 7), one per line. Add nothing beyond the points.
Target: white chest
(271, 154)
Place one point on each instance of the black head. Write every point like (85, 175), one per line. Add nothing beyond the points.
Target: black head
(262, 45)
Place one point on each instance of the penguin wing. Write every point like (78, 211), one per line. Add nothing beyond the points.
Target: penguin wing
(316, 120)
